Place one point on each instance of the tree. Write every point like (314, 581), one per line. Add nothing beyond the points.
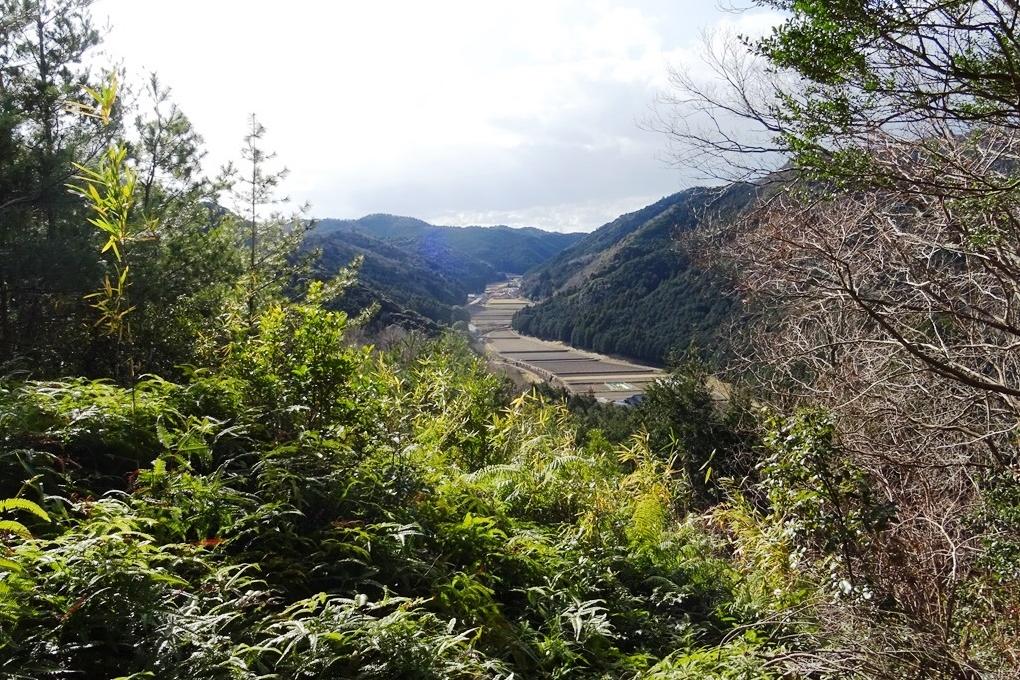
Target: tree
(273, 239)
(882, 267)
(45, 259)
(185, 273)
(707, 433)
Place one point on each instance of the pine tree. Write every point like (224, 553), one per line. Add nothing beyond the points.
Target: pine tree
(45, 260)
(272, 239)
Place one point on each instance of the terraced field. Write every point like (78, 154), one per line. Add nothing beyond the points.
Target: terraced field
(608, 379)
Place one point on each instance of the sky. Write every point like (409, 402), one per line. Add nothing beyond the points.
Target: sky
(527, 113)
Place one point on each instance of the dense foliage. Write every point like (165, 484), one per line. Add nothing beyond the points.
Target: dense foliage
(184, 270)
(627, 289)
(883, 274)
(207, 471)
(311, 509)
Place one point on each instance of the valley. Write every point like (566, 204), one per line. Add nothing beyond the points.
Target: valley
(578, 371)
(762, 429)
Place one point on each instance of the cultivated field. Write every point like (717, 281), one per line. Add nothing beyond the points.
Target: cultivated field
(576, 370)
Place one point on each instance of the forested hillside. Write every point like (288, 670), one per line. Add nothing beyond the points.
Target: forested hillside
(390, 273)
(466, 252)
(413, 268)
(209, 472)
(627, 288)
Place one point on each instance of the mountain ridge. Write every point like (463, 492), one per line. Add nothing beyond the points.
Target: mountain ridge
(510, 250)
(626, 289)
(417, 268)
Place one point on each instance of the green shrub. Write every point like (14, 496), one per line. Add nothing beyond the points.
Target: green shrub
(312, 509)
(826, 503)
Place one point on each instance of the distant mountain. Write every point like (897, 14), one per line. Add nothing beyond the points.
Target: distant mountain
(420, 273)
(506, 250)
(626, 288)
(390, 275)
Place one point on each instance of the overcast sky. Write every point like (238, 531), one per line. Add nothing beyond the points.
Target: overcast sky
(457, 112)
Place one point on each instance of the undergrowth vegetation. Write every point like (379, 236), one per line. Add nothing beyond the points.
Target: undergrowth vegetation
(314, 509)
(205, 473)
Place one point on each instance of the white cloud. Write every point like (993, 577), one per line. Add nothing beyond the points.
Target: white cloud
(567, 217)
(524, 111)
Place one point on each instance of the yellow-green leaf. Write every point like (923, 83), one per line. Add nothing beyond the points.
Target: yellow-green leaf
(23, 504)
(11, 527)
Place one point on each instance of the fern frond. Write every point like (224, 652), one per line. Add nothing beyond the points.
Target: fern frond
(17, 528)
(8, 504)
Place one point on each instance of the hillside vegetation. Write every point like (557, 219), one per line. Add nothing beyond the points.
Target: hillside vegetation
(628, 289)
(209, 471)
(414, 268)
(395, 278)
(310, 509)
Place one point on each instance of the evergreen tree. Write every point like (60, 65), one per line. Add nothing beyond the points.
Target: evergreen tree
(46, 263)
(272, 239)
(187, 269)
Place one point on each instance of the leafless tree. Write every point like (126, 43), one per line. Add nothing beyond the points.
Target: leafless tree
(882, 272)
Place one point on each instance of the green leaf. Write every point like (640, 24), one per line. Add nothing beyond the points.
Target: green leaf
(10, 565)
(12, 527)
(23, 504)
